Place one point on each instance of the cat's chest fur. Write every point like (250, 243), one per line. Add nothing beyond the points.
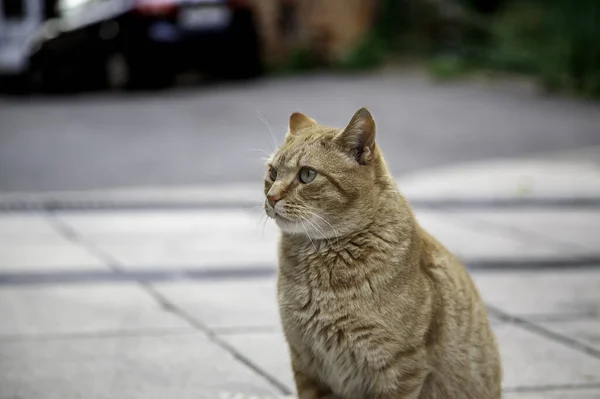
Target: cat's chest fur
(333, 331)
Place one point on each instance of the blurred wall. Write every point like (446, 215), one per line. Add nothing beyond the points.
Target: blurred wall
(327, 28)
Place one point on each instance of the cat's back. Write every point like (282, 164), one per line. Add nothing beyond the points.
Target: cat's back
(463, 349)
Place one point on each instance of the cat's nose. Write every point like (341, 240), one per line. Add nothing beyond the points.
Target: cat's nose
(272, 199)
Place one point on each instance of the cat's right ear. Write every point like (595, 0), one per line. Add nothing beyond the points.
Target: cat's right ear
(300, 121)
(358, 138)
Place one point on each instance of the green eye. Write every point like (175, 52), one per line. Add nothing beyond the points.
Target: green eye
(307, 175)
(272, 173)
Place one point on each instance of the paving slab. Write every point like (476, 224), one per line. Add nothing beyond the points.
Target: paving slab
(80, 309)
(269, 351)
(529, 360)
(234, 305)
(185, 366)
(226, 304)
(559, 175)
(16, 227)
(472, 241)
(577, 227)
(542, 294)
(35, 257)
(201, 239)
(147, 223)
(29, 243)
(574, 393)
(586, 331)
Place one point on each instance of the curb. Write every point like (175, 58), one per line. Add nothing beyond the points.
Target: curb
(557, 180)
(243, 197)
(173, 274)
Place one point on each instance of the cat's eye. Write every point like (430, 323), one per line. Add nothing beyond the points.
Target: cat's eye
(307, 175)
(272, 173)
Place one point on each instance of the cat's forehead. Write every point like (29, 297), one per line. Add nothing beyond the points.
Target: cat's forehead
(304, 147)
(289, 157)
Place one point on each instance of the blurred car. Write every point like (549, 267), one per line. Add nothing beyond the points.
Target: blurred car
(83, 42)
(19, 20)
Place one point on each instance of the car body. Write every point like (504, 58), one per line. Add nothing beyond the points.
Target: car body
(153, 39)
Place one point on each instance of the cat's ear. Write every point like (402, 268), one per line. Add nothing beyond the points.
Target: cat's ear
(300, 121)
(358, 138)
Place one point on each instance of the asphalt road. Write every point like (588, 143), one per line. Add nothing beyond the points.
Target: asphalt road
(214, 133)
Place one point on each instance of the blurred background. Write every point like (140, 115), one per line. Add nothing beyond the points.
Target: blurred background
(135, 258)
(108, 93)
(144, 43)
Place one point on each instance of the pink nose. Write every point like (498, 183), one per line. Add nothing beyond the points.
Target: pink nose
(272, 199)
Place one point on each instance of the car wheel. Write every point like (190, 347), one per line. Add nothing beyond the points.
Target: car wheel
(15, 84)
(144, 73)
(72, 77)
(53, 79)
(93, 74)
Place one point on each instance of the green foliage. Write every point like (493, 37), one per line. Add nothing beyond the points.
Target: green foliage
(557, 40)
(519, 34)
(368, 53)
(446, 67)
(407, 26)
(299, 60)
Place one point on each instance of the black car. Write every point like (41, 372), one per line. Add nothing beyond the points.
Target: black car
(217, 36)
(147, 41)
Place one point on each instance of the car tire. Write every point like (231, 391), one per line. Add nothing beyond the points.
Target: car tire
(143, 73)
(94, 75)
(142, 79)
(53, 79)
(73, 77)
(15, 84)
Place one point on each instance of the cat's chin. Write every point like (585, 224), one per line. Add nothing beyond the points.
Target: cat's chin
(289, 226)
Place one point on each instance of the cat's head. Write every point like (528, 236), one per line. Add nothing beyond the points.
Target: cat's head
(323, 182)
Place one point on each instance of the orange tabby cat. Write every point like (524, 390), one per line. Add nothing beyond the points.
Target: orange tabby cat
(372, 306)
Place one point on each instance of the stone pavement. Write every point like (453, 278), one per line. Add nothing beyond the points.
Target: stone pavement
(117, 300)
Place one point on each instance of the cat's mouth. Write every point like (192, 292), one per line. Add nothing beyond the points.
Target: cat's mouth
(280, 217)
(272, 213)
(281, 220)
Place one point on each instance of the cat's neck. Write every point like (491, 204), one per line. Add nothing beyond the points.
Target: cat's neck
(387, 249)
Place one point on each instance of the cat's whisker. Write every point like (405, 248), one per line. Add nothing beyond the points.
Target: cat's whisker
(260, 220)
(313, 225)
(307, 209)
(266, 219)
(316, 227)
(270, 128)
(308, 235)
(325, 220)
(253, 207)
(261, 151)
(310, 238)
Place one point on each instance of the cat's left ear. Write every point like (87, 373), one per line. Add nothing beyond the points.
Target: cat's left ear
(358, 138)
(300, 121)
